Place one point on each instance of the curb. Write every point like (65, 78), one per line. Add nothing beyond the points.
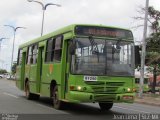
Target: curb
(147, 103)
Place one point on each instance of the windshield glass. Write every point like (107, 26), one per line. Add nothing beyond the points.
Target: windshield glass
(103, 57)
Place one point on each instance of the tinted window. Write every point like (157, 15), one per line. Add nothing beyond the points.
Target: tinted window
(58, 49)
(32, 54)
(35, 54)
(19, 57)
(49, 50)
(54, 49)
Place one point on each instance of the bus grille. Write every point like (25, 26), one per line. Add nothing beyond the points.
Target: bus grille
(96, 83)
(104, 97)
(105, 87)
(114, 83)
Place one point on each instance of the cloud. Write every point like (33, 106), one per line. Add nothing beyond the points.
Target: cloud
(28, 14)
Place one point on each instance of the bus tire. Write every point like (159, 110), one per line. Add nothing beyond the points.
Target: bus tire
(58, 104)
(35, 96)
(30, 96)
(105, 106)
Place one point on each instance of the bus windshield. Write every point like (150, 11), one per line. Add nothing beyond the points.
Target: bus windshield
(103, 57)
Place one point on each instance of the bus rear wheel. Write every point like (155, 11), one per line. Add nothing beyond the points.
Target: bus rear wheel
(30, 96)
(58, 104)
(105, 106)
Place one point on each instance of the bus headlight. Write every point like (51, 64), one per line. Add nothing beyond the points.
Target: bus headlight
(79, 88)
(134, 90)
(129, 90)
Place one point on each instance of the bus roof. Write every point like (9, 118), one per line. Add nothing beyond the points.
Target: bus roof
(61, 31)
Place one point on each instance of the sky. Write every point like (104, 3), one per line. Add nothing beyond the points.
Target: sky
(21, 13)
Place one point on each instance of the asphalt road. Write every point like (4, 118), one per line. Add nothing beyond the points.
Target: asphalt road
(13, 102)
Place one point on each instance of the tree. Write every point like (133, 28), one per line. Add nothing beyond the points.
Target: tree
(3, 71)
(14, 68)
(153, 42)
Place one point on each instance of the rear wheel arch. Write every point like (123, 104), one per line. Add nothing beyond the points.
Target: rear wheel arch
(29, 95)
(52, 85)
(26, 81)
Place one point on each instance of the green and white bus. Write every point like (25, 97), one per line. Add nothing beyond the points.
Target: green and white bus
(79, 63)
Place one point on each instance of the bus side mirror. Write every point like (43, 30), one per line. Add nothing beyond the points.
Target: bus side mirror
(137, 55)
(72, 48)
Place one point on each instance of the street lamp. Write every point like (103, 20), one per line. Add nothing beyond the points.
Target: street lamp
(0, 44)
(14, 30)
(143, 50)
(44, 7)
(1, 41)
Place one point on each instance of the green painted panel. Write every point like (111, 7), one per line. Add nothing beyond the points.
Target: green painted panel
(41, 44)
(18, 77)
(32, 87)
(51, 72)
(31, 75)
(45, 89)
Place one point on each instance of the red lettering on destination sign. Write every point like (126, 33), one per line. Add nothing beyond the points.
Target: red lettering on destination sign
(103, 32)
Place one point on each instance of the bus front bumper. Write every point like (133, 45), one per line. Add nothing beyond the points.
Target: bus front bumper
(76, 96)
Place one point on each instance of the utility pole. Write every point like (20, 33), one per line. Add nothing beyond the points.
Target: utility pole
(143, 50)
(44, 7)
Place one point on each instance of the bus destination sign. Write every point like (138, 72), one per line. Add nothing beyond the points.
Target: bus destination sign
(103, 31)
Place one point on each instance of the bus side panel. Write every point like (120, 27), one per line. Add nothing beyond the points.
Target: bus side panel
(50, 72)
(20, 71)
(65, 65)
(39, 67)
(27, 71)
(18, 76)
(32, 78)
(23, 70)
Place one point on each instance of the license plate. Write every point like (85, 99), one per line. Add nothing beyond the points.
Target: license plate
(90, 78)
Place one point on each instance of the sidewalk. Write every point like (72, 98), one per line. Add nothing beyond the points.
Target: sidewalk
(149, 99)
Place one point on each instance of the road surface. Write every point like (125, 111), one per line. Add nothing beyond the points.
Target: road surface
(13, 102)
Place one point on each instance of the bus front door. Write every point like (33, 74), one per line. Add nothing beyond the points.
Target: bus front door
(67, 69)
(23, 70)
(39, 68)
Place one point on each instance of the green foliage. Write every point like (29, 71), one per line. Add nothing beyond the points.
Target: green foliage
(2, 71)
(14, 68)
(154, 19)
(153, 41)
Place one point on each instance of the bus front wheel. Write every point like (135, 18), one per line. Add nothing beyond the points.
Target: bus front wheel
(58, 104)
(105, 106)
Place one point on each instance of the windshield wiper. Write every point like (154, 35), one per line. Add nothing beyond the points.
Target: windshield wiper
(94, 47)
(118, 44)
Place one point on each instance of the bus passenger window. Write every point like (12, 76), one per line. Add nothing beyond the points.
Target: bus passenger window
(35, 52)
(32, 54)
(29, 55)
(19, 57)
(58, 49)
(31, 60)
(57, 55)
(49, 50)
